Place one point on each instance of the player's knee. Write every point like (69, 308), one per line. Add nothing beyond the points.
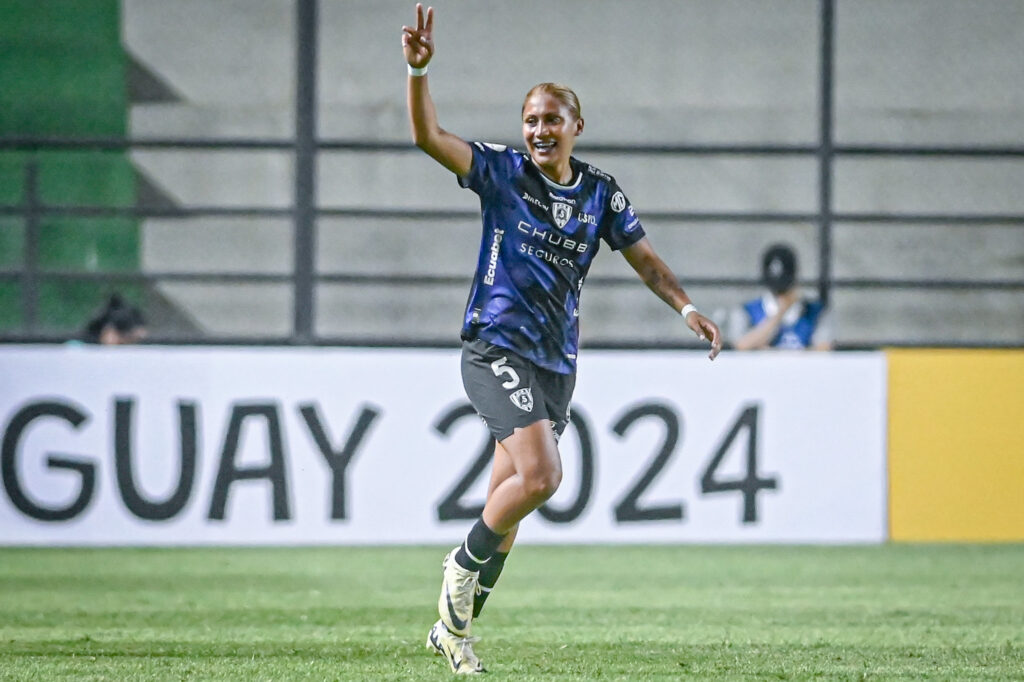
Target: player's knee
(543, 484)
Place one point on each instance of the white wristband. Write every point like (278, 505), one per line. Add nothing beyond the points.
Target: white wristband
(687, 309)
(414, 71)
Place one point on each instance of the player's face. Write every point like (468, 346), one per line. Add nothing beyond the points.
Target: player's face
(549, 130)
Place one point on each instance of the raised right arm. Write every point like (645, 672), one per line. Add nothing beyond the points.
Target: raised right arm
(451, 151)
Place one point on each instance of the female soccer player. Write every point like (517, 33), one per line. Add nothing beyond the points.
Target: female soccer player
(544, 216)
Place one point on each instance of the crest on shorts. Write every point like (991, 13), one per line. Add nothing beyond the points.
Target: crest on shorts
(523, 399)
(561, 213)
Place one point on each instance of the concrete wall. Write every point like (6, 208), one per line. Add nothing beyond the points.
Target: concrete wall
(658, 71)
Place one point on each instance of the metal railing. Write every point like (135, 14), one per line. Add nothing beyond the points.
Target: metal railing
(305, 211)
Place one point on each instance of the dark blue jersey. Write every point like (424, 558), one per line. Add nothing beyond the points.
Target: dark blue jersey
(539, 239)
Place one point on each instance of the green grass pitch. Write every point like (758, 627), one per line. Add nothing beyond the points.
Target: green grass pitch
(949, 612)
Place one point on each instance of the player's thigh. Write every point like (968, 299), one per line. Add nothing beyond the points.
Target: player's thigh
(534, 452)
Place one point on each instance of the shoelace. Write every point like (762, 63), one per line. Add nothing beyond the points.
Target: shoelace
(461, 581)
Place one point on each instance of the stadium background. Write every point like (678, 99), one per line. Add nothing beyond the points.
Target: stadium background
(241, 169)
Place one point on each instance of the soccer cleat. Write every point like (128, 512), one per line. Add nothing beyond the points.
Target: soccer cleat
(458, 651)
(458, 590)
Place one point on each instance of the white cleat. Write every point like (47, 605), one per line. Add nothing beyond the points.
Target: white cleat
(458, 590)
(458, 651)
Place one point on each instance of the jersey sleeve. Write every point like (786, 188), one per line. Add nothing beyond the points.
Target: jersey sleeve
(620, 225)
(492, 166)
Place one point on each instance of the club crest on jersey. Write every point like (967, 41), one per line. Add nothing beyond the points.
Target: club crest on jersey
(618, 202)
(561, 213)
(523, 399)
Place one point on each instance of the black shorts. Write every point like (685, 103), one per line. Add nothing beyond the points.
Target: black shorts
(510, 392)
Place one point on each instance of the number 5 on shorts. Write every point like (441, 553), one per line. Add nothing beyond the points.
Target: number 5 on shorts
(499, 367)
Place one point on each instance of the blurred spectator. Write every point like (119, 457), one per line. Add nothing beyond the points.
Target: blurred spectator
(781, 317)
(117, 324)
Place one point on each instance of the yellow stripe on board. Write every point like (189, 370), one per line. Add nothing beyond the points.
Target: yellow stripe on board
(956, 445)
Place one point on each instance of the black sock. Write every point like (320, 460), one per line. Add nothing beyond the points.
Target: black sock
(489, 573)
(480, 544)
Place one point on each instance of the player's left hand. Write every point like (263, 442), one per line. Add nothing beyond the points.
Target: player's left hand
(705, 330)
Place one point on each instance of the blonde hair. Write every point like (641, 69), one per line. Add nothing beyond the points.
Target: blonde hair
(563, 93)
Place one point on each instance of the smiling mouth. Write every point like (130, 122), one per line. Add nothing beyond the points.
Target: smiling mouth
(544, 146)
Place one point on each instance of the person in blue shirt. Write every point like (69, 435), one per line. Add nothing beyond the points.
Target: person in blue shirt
(545, 215)
(780, 318)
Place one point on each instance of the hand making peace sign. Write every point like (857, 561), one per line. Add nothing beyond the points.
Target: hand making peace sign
(418, 43)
